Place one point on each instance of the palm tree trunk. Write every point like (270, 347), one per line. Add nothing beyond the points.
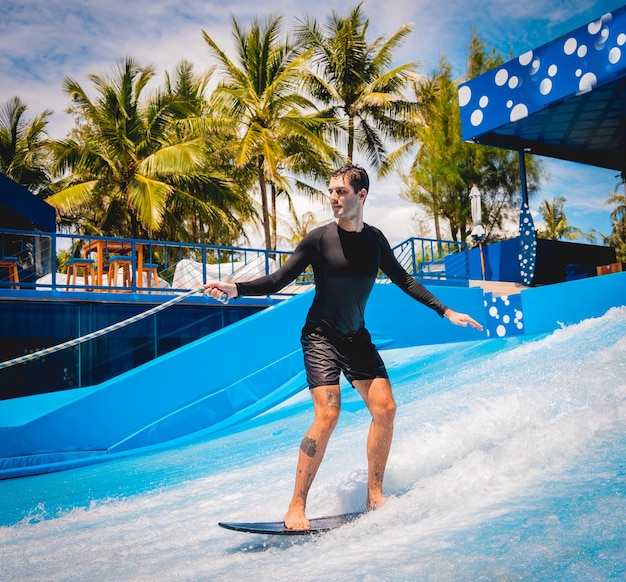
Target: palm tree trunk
(436, 209)
(274, 220)
(350, 138)
(437, 226)
(438, 234)
(264, 208)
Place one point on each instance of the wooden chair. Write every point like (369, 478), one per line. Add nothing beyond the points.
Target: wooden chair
(121, 265)
(152, 274)
(76, 264)
(10, 264)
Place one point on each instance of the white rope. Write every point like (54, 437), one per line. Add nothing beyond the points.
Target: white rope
(95, 334)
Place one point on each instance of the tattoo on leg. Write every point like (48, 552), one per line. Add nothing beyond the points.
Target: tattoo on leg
(308, 446)
(333, 398)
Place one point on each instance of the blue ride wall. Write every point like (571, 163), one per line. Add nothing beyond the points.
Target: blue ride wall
(242, 370)
(550, 307)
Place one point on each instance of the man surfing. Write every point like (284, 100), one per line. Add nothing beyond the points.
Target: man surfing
(345, 256)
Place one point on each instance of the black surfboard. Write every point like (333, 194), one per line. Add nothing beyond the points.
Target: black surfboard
(318, 525)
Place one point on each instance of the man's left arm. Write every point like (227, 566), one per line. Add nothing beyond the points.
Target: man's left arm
(396, 272)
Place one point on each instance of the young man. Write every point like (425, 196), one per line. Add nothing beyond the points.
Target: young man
(345, 256)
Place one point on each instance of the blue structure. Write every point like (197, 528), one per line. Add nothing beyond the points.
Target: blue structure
(565, 99)
(527, 257)
(556, 261)
(215, 382)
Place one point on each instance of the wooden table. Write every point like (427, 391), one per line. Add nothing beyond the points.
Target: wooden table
(105, 248)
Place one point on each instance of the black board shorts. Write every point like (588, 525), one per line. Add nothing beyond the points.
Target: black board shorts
(328, 353)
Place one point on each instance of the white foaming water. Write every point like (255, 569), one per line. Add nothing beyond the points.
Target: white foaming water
(507, 464)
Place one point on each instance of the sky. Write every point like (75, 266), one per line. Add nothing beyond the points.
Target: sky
(44, 41)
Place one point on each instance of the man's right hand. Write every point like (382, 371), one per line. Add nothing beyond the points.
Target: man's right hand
(217, 289)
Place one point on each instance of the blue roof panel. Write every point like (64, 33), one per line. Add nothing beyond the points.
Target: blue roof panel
(565, 99)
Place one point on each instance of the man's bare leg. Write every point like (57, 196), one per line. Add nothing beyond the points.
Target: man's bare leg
(378, 397)
(327, 405)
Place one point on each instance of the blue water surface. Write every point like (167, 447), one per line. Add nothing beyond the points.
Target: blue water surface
(507, 464)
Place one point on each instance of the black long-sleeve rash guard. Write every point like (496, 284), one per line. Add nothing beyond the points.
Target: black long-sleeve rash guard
(345, 265)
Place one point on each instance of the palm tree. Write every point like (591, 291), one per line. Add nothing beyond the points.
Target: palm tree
(617, 238)
(121, 161)
(619, 212)
(260, 98)
(557, 226)
(210, 206)
(300, 226)
(23, 155)
(354, 79)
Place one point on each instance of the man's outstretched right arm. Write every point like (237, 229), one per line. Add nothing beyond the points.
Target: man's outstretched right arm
(299, 260)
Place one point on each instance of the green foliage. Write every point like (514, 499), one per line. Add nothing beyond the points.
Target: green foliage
(121, 157)
(445, 168)
(129, 169)
(23, 146)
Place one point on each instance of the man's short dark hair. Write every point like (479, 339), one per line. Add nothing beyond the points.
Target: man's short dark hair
(356, 175)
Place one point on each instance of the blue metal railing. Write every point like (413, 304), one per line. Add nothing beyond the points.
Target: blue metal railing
(434, 260)
(42, 260)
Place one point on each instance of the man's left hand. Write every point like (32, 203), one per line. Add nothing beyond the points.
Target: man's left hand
(462, 319)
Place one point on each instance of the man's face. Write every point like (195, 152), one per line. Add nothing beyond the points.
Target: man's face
(344, 201)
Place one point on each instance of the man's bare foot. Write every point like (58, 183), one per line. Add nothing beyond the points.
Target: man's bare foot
(296, 519)
(375, 501)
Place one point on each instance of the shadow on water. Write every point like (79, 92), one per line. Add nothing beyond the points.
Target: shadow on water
(263, 543)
